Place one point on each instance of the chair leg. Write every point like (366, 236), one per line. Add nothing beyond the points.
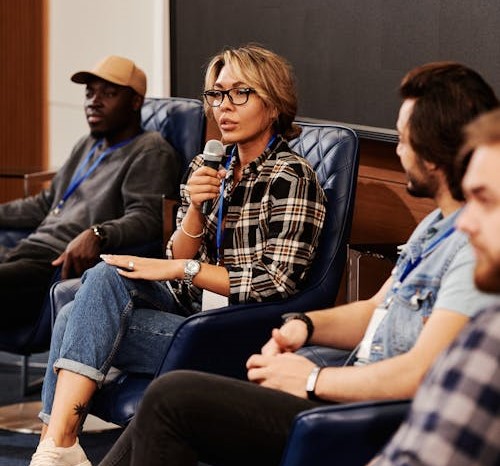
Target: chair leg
(353, 257)
(24, 375)
(383, 251)
(28, 388)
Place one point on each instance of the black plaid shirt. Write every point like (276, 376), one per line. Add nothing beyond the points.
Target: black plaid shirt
(273, 219)
(455, 417)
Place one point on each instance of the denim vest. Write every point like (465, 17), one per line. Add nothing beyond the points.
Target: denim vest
(411, 303)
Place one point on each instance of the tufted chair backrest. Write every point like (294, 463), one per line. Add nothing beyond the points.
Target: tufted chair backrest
(333, 153)
(181, 121)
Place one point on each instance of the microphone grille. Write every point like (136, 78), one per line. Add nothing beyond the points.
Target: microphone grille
(214, 148)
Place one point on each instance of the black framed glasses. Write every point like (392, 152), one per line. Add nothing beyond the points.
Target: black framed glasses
(236, 95)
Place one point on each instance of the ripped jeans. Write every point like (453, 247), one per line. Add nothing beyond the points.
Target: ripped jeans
(113, 321)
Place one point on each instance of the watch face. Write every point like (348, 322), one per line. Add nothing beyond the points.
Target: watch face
(99, 232)
(193, 267)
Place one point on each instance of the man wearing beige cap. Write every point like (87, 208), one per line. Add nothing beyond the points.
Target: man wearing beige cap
(116, 70)
(107, 195)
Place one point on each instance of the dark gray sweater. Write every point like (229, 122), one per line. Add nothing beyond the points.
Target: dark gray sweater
(123, 195)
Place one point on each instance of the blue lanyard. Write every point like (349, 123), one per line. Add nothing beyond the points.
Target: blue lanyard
(219, 235)
(80, 176)
(411, 265)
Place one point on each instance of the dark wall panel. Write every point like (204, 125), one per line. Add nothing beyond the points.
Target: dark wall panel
(349, 55)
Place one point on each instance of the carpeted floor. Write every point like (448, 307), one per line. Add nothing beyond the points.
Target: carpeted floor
(16, 448)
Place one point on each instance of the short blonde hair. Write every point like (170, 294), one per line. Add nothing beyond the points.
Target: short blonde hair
(269, 74)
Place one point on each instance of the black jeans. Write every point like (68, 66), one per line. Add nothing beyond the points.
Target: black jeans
(188, 416)
(25, 278)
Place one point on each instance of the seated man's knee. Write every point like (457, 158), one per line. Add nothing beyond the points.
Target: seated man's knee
(175, 390)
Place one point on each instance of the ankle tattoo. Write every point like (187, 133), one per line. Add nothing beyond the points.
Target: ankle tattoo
(80, 411)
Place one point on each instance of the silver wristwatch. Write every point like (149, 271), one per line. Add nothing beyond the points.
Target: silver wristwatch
(311, 383)
(191, 268)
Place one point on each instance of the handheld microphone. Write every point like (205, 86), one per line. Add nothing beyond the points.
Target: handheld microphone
(212, 156)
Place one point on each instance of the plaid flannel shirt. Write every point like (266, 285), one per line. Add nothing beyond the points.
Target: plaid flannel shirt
(455, 417)
(273, 219)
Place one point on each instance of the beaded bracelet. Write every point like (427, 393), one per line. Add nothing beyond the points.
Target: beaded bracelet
(199, 235)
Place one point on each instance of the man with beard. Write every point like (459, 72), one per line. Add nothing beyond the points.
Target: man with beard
(394, 337)
(106, 196)
(454, 418)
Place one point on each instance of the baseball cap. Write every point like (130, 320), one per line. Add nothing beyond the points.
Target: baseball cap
(117, 70)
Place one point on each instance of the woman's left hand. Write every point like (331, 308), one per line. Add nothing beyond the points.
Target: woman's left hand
(145, 268)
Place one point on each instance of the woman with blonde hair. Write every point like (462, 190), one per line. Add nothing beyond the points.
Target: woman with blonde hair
(256, 243)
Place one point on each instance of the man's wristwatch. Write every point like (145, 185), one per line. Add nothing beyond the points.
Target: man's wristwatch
(99, 232)
(311, 383)
(304, 318)
(191, 268)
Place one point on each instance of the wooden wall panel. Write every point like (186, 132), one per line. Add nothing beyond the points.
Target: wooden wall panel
(384, 211)
(23, 80)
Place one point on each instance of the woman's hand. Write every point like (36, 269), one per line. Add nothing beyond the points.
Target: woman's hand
(145, 268)
(204, 184)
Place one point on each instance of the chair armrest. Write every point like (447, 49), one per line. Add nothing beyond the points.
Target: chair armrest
(221, 340)
(36, 178)
(351, 433)
(61, 293)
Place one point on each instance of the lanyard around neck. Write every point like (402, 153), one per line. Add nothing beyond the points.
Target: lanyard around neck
(220, 234)
(81, 175)
(411, 265)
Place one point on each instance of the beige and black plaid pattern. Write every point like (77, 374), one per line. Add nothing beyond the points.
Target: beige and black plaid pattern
(272, 222)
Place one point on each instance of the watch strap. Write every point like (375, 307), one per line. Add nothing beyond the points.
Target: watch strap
(311, 382)
(99, 232)
(304, 318)
(188, 274)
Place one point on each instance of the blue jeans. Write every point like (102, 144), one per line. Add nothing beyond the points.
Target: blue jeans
(113, 321)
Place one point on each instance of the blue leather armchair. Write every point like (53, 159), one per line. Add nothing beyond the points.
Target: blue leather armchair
(221, 340)
(345, 434)
(182, 122)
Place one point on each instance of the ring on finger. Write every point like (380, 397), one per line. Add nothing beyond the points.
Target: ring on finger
(131, 265)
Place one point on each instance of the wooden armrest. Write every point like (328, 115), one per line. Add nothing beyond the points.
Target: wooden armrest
(170, 207)
(30, 176)
(36, 178)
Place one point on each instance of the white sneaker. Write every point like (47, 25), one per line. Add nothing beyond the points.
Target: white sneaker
(47, 454)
